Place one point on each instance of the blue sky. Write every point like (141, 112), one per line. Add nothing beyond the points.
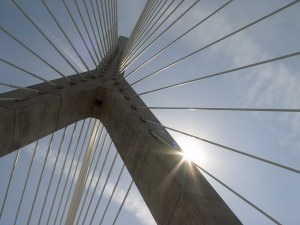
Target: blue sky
(274, 136)
(270, 135)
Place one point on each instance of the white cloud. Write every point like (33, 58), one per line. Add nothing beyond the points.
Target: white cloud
(273, 85)
(134, 202)
(63, 47)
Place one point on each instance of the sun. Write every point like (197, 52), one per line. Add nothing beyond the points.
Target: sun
(188, 155)
(191, 149)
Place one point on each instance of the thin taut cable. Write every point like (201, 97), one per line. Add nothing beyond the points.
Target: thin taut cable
(122, 204)
(93, 30)
(148, 20)
(40, 179)
(142, 15)
(97, 133)
(220, 73)
(112, 194)
(96, 185)
(79, 32)
(103, 31)
(75, 170)
(132, 56)
(9, 182)
(105, 184)
(87, 31)
(139, 26)
(126, 64)
(28, 72)
(48, 40)
(217, 41)
(26, 182)
(238, 195)
(54, 167)
(33, 53)
(139, 43)
(226, 147)
(220, 109)
(66, 36)
(84, 198)
(97, 29)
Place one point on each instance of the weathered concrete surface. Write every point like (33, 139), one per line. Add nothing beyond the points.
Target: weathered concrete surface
(175, 192)
(23, 122)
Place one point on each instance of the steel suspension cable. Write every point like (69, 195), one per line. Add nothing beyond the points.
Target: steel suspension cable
(104, 50)
(131, 57)
(76, 167)
(26, 182)
(106, 22)
(29, 73)
(96, 185)
(138, 44)
(227, 187)
(92, 177)
(141, 25)
(148, 21)
(56, 189)
(112, 194)
(102, 27)
(113, 24)
(40, 178)
(105, 26)
(225, 147)
(217, 41)
(152, 20)
(48, 40)
(65, 35)
(137, 26)
(79, 187)
(9, 182)
(220, 109)
(133, 33)
(110, 6)
(130, 61)
(116, 22)
(94, 153)
(97, 134)
(110, 26)
(92, 27)
(79, 32)
(219, 73)
(104, 186)
(52, 174)
(87, 31)
(33, 53)
(238, 195)
(61, 199)
(63, 167)
(122, 204)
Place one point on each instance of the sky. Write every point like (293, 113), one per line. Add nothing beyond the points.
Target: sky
(274, 136)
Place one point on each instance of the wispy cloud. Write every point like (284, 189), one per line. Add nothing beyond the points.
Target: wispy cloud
(271, 85)
(134, 202)
(63, 47)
